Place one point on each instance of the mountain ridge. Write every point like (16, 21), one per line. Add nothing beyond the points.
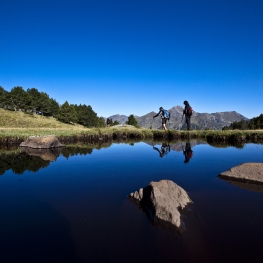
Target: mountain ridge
(215, 121)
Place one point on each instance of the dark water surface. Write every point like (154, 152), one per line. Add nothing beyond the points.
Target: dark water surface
(74, 207)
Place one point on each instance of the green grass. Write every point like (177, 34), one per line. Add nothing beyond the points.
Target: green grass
(16, 119)
(17, 126)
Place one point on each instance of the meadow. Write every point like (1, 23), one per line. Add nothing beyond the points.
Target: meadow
(17, 126)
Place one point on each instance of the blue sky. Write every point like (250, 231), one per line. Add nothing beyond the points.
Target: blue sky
(133, 56)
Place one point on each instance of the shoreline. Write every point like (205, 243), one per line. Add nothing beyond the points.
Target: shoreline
(9, 136)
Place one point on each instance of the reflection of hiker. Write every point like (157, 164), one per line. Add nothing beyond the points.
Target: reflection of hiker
(188, 111)
(165, 115)
(188, 153)
(165, 149)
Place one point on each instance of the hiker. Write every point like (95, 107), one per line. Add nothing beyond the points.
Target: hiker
(188, 153)
(165, 115)
(165, 149)
(108, 122)
(188, 111)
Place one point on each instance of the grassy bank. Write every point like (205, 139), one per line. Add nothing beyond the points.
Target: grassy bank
(17, 135)
(16, 127)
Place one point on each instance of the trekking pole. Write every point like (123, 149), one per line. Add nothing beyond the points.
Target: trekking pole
(152, 124)
(181, 122)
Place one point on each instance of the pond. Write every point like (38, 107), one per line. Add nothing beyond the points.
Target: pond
(72, 205)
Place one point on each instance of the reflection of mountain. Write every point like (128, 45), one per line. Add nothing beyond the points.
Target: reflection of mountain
(120, 118)
(45, 154)
(179, 146)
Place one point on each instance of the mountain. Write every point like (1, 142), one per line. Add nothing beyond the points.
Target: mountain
(120, 118)
(213, 121)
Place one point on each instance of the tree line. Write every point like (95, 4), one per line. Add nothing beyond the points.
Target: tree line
(253, 124)
(35, 102)
(131, 121)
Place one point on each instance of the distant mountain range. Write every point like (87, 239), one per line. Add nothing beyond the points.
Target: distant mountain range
(213, 121)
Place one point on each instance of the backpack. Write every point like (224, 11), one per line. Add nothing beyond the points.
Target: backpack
(190, 111)
(166, 114)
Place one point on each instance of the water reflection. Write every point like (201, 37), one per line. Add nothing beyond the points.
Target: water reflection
(24, 159)
(78, 210)
(19, 162)
(164, 150)
(185, 147)
(188, 153)
(32, 160)
(238, 145)
(44, 154)
(245, 185)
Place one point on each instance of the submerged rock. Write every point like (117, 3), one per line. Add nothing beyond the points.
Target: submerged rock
(42, 142)
(163, 201)
(248, 172)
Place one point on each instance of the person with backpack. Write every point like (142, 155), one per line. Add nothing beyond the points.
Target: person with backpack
(108, 122)
(188, 111)
(165, 116)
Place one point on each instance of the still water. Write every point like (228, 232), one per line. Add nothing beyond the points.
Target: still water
(72, 205)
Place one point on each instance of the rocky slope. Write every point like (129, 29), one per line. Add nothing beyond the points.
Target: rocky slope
(214, 121)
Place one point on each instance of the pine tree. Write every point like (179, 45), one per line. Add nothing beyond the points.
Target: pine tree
(115, 123)
(67, 114)
(101, 122)
(4, 98)
(132, 121)
(35, 99)
(256, 123)
(45, 104)
(54, 107)
(86, 116)
(20, 99)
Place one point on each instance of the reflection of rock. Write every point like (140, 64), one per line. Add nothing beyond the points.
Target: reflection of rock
(44, 154)
(249, 172)
(162, 201)
(247, 186)
(42, 142)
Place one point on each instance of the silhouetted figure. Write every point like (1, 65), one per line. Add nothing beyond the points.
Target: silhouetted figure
(108, 122)
(188, 111)
(165, 149)
(188, 153)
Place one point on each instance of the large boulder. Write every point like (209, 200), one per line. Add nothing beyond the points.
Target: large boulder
(248, 172)
(42, 142)
(163, 201)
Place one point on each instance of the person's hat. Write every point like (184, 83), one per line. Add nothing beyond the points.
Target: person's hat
(161, 108)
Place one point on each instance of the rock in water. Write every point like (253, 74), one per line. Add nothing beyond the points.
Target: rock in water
(42, 142)
(249, 172)
(163, 200)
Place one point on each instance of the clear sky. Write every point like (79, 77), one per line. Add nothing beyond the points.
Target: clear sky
(133, 56)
